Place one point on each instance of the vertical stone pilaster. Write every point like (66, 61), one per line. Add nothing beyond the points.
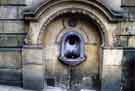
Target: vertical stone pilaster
(33, 69)
(111, 72)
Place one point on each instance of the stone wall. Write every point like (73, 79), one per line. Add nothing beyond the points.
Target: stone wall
(12, 34)
(17, 64)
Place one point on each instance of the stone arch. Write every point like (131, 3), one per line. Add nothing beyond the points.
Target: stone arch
(101, 27)
(84, 12)
(85, 8)
(46, 11)
(34, 12)
(41, 15)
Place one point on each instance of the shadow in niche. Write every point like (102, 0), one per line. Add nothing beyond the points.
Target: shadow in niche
(128, 70)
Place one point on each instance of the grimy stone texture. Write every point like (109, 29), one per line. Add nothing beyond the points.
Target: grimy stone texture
(29, 66)
(112, 69)
(33, 2)
(11, 12)
(10, 60)
(112, 57)
(128, 67)
(33, 69)
(12, 27)
(13, 88)
(11, 77)
(17, 2)
(111, 78)
(12, 40)
(128, 2)
(32, 56)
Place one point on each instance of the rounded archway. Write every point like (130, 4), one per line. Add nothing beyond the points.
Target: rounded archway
(80, 12)
(47, 25)
(85, 75)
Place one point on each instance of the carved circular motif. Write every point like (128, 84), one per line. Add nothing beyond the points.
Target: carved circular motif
(72, 22)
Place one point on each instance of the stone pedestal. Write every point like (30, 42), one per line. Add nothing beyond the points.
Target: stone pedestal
(111, 72)
(33, 69)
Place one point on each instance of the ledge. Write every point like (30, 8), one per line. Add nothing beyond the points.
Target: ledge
(32, 46)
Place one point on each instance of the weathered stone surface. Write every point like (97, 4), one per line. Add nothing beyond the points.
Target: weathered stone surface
(32, 56)
(10, 60)
(32, 2)
(112, 57)
(111, 78)
(12, 1)
(131, 41)
(10, 12)
(114, 5)
(10, 74)
(12, 88)
(11, 40)
(126, 28)
(127, 41)
(32, 63)
(12, 27)
(33, 77)
(1, 26)
(128, 2)
(128, 67)
(123, 41)
(33, 68)
(125, 35)
(10, 77)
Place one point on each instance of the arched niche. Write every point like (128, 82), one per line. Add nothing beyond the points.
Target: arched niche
(72, 48)
(45, 13)
(58, 32)
(38, 19)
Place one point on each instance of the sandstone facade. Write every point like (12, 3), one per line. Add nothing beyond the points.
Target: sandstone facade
(30, 38)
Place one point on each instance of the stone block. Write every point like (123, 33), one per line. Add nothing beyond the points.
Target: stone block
(16, 2)
(11, 40)
(111, 78)
(12, 27)
(112, 57)
(1, 26)
(8, 12)
(128, 2)
(32, 56)
(10, 77)
(10, 60)
(12, 2)
(123, 41)
(10, 74)
(131, 42)
(32, 2)
(3, 1)
(33, 77)
(11, 12)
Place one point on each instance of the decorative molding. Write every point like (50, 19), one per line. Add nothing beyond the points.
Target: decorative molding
(61, 7)
(32, 46)
(96, 20)
(34, 12)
